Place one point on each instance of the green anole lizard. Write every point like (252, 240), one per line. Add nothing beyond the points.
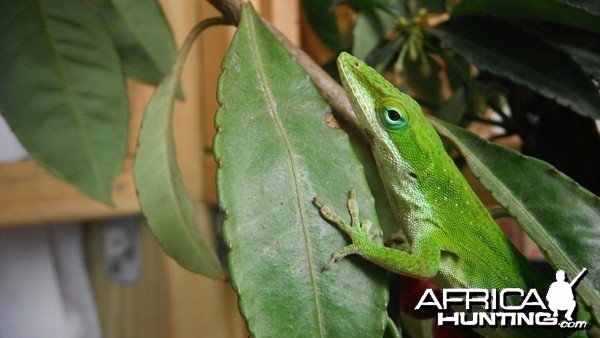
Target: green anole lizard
(452, 237)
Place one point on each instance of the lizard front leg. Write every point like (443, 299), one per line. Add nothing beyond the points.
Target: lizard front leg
(423, 261)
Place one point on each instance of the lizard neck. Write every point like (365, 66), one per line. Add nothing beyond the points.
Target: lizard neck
(407, 198)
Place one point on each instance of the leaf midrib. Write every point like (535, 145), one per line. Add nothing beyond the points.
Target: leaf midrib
(74, 112)
(271, 104)
(169, 154)
(135, 34)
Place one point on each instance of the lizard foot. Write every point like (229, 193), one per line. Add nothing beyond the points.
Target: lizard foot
(359, 231)
(339, 254)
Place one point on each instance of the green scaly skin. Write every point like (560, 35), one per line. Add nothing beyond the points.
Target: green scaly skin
(452, 237)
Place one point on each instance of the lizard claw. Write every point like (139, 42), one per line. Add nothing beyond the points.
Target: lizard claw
(331, 216)
(339, 254)
(361, 231)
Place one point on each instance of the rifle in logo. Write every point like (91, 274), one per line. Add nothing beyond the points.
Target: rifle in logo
(560, 295)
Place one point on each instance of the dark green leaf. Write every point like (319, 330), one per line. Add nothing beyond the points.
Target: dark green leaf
(164, 201)
(539, 10)
(381, 56)
(142, 36)
(582, 46)
(559, 215)
(62, 91)
(391, 331)
(392, 7)
(370, 27)
(275, 153)
(423, 78)
(505, 50)
(455, 109)
(321, 17)
(592, 6)
(416, 327)
(432, 6)
(330, 67)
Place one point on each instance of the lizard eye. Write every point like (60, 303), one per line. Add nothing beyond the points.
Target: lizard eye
(393, 118)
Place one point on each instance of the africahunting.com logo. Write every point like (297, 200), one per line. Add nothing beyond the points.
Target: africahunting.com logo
(511, 307)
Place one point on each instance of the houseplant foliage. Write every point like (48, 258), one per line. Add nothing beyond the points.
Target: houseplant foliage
(278, 144)
(275, 153)
(63, 69)
(266, 179)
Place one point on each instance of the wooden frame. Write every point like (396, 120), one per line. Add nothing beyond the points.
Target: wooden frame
(29, 194)
(179, 302)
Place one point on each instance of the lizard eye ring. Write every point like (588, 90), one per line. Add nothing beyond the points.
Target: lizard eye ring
(393, 118)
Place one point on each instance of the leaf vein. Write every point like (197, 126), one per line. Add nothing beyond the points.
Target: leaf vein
(272, 107)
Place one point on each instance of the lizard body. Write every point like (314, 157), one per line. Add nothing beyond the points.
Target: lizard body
(452, 237)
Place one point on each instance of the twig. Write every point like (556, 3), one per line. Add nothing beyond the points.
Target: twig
(201, 26)
(497, 211)
(177, 67)
(231, 10)
(331, 90)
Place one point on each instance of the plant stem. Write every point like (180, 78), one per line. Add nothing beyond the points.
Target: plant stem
(329, 88)
(200, 27)
(230, 10)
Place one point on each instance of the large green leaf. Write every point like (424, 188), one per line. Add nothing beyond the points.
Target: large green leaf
(275, 153)
(559, 215)
(556, 11)
(161, 192)
(508, 51)
(142, 35)
(62, 91)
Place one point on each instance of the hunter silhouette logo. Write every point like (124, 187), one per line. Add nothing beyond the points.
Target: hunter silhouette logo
(510, 307)
(560, 295)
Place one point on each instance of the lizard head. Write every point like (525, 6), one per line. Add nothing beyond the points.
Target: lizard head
(395, 126)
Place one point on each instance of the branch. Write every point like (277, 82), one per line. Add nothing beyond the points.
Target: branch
(329, 88)
(229, 8)
(199, 28)
(498, 212)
